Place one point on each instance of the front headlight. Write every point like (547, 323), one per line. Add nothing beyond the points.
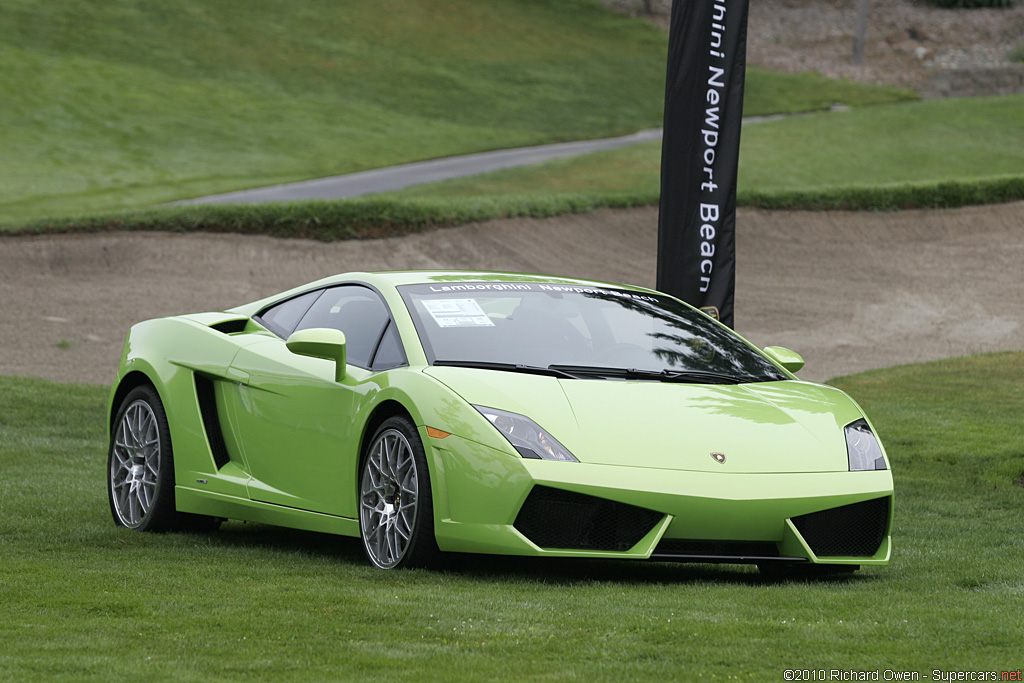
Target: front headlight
(862, 447)
(526, 436)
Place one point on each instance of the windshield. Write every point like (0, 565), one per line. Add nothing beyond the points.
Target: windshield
(580, 330)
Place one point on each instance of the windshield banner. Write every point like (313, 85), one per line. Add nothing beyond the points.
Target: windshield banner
(700, 153)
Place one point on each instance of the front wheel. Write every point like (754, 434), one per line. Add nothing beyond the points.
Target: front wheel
(396, 516)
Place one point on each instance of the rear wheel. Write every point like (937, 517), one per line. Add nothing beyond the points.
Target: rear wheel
(140, 468)
(396, 516)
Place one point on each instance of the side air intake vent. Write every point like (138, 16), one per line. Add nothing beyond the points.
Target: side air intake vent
(211, 420)
(230, 326)
(851, 530)
(553, 518)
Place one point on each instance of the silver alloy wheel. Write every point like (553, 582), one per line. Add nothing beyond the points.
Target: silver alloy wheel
(135, 464)
(388, 494)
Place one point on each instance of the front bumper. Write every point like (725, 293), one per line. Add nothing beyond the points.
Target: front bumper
(480, 494)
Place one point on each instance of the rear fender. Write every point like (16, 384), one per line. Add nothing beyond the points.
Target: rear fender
(168, 353)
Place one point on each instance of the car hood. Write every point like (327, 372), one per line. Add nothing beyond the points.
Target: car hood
(766, 427)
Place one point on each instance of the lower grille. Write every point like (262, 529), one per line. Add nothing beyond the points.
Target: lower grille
(675, 548)
(851, 530)
(553, 518)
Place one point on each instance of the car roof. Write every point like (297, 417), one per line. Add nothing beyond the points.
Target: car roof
(418, 277)
(389, 279)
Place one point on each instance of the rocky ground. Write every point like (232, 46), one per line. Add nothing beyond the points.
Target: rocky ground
(908, 43)
(850, 291)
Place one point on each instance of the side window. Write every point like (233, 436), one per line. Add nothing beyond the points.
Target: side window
(389, 353)
(282, 318)
(356, 311)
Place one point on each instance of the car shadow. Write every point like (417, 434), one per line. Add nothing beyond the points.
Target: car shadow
(503, 568)
(545, 570)
(237, 534)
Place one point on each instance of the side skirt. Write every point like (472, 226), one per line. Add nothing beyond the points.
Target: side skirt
(232, 507)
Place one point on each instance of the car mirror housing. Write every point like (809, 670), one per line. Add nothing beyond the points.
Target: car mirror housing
(790, 360)
(320, 342)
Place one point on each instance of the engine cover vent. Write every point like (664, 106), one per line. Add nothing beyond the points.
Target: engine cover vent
(230, 326)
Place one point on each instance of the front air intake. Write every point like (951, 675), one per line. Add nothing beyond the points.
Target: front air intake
(849, 531)
(554, 518)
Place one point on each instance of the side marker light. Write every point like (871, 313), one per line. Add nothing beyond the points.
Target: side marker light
(435, 433)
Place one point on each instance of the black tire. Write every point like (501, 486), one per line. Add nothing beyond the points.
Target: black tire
(396, 512)
(140, 468)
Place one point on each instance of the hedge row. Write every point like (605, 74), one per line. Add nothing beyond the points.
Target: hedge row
(379, 217)
(334, 220)
(939, 195)
(972, 4)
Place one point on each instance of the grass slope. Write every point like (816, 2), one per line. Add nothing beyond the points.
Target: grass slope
(85, 600)
(943, 153)
(880, 150)
(126, 102)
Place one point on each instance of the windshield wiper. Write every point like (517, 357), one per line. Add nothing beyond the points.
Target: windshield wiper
(697, 376)
(549, 371)
(590, 371)
(703, 377)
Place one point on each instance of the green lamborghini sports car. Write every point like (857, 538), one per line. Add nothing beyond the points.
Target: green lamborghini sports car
(430, 412)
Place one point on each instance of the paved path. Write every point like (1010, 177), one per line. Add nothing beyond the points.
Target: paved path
(397, 177)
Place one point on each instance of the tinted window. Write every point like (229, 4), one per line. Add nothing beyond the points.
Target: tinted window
(356, 311)
(389, 353)
(282, 318)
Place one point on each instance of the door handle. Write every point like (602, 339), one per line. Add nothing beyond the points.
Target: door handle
(236, 375)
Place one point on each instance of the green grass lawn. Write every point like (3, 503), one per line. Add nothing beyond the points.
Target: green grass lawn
(873, 147)
(84, 600)
(126, 104)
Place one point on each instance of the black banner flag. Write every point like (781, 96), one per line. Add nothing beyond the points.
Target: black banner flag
(700, 150)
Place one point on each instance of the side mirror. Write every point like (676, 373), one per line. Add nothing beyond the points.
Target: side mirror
(320, 342)
(790, 360)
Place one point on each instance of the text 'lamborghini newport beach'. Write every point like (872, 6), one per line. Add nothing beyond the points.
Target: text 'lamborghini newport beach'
(430, 412)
